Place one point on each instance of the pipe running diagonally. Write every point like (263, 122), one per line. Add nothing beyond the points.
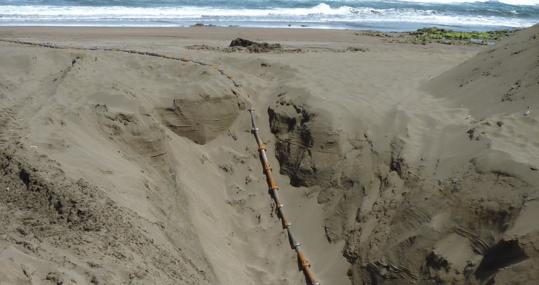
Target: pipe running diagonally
(273, 190)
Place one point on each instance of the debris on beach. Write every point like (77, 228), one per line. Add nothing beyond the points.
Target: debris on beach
(256, 47)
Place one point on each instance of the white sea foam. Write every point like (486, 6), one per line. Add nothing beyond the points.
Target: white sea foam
(322, 13)
(510, 2)
(189, 11)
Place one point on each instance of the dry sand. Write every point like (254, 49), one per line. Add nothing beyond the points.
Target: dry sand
(398, 163)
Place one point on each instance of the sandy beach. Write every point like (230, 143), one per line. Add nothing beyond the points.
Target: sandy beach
(126, 157)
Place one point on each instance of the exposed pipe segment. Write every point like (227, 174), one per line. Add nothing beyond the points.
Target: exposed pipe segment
(273, 187)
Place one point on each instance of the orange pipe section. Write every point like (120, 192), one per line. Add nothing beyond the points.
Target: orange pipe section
(273, 187)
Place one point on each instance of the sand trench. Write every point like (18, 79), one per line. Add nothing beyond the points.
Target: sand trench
(122, 166)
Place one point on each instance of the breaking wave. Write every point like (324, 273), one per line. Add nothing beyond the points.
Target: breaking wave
(367, 15)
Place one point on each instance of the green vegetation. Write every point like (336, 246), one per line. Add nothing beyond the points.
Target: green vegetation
(428, 35)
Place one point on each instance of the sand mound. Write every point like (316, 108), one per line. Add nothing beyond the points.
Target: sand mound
(450, 217)
(106, 197)
(504, 78)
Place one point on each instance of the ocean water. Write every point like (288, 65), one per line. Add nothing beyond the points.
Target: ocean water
(385, 15)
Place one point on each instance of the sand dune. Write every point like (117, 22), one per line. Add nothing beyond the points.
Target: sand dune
(502, 79)
(399, 163)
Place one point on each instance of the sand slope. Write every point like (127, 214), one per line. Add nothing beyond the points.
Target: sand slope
(428, 189)
(133, 169)
(130, 168)
(502, 79)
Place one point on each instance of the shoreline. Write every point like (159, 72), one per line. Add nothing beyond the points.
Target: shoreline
(194, 32)
(296, 26)
(292, 35)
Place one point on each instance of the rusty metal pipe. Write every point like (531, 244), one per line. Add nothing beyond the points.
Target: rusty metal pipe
(273, 187)
(306, 267)
(293, 243)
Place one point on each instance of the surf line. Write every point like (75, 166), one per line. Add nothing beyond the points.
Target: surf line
(273, 187)
(145, 53)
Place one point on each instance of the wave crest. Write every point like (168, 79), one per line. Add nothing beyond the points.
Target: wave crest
(321, 14)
